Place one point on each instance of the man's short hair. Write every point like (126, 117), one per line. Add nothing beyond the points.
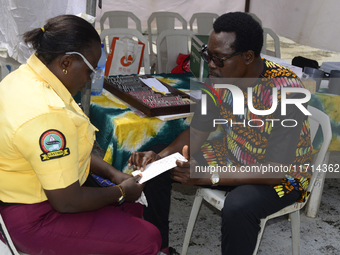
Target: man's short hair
(249, 33)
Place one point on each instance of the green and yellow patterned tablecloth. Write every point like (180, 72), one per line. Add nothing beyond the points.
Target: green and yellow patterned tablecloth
(329, 104)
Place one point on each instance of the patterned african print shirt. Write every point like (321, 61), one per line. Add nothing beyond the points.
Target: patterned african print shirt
(255, 139)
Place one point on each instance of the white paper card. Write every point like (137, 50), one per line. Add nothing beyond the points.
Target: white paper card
(153, 82)
(159, 166)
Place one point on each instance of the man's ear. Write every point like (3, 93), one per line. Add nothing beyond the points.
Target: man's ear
(249, 57)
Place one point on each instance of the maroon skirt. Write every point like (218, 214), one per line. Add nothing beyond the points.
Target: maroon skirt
(39, 229)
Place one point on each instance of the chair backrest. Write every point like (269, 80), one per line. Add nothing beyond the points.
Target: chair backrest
(268, 32)
(204, 21)
(120, 19)
(316, 120)
(175, 42)
(108, 34)
(164, 21)
(3, 71)
(7, 65)
(255, 18)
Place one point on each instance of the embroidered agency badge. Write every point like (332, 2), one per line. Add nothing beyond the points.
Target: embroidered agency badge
(53, 145)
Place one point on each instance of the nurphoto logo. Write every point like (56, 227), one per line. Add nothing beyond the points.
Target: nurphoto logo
(238, 105)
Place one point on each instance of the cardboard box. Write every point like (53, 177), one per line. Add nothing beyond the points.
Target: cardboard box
(309, 84)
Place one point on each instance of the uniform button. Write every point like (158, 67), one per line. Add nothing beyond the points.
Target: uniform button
(48, 86)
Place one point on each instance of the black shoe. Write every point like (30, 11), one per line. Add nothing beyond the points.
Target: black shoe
(172, 251)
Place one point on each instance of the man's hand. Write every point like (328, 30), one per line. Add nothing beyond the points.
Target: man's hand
(181, 173)
(139, 160)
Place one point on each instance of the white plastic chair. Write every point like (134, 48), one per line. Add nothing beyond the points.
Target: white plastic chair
(204, 21)
(130, 33)
(216, 197)
(120, 19)
(255, 18)
(8, 239)
(175, 42)
(3, 71)
(164, 21)
(7, 65)
(268, 32)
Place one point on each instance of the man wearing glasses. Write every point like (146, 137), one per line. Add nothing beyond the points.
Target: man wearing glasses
(249, 141)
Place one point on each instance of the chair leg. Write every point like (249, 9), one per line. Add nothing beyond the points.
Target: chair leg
(295, 226)
(313, 204)
(7, 237)
(191, 223)
(262, 224)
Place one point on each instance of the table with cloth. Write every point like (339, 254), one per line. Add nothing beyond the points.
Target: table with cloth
(121, 131)
(329, 104)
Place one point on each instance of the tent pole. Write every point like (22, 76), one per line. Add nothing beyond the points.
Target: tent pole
(246, 9)
(91, 7)
(86, 92)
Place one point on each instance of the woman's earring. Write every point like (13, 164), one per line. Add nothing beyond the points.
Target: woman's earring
(64, 71)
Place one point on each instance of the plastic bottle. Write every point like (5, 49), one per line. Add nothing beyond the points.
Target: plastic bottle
(97, 84)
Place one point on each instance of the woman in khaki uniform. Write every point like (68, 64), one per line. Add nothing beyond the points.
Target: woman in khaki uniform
(45, 155)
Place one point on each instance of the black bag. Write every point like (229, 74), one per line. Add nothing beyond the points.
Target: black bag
(302, 62)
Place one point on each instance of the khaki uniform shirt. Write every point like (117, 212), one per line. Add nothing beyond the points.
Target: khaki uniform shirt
(45, 138)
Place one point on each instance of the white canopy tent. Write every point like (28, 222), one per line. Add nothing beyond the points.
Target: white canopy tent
(308, 22)
(19, 16)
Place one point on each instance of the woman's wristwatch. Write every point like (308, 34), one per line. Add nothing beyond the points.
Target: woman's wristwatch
(121, 199)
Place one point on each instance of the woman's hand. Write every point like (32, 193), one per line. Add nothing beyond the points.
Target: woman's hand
(139, 160)
(132, 188)
(105, 170)
(118, 177)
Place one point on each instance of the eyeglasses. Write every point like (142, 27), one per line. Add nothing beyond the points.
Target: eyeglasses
(217, 60)
(96, 73)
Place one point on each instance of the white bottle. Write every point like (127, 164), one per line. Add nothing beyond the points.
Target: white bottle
(97, 84)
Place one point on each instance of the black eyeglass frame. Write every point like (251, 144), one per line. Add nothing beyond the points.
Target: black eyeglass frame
(207, 58)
